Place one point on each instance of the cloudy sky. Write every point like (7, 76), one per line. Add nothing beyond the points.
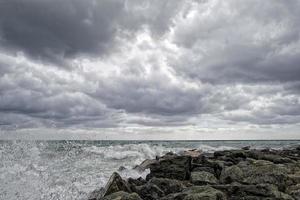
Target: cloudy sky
(132, 69)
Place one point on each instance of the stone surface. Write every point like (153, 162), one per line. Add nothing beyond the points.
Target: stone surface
(121, 195)
(116, 184)
(203, 177)
(239, 174)
(168, 185)
(171, 166)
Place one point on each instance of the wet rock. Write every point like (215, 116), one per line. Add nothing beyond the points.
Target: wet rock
(206, 169)
(96, 194)
(246, 148)
(144, 165)
(116, 184)
(121, 168)
(121, 195)
(203, 178)
(256, 172)
(149, 191)
(259, 191)
(171, 166)
(197, 193)
(168, 185)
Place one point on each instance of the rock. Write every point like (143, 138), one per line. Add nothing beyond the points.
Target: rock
(149, 191)
(294, 191)
(246, 148)
(171, 166)
(144, 165)
(116, 184)
(137, 182)
(231, 174)
(96, 194)
(258, 191)
(256, 172)
(121, 195)
(168, 185)
(206, 169)
(269, 156)
(202, 178)
(121, 168)
(197, 193)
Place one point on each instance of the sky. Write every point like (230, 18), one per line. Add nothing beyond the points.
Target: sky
(149, 69)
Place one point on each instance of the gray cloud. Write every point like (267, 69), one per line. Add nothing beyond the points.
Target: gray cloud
(156, 64)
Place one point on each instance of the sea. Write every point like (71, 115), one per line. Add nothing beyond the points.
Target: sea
(63, 170)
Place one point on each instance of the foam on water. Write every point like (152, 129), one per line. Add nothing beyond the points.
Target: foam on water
(55, 170)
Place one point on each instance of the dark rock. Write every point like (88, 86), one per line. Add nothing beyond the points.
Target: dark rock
(149, 191)
(171, 166)
(257, 172)
(168, 185)
(197, 193)
(96, 194)
(121, 195)
(206, 169)
(246, 148)
(121, 168)
(116, 184)
(144, 165)
(203, 178)
(258, 191)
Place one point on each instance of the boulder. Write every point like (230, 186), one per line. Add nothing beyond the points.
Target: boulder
(197, 193)
(171, 166)
(116, 184)
(144, 165)
(259, 191)
(168, 185)
(149, 191)
(257, 172)
(203, 178)
(121, 195)
(96, 194)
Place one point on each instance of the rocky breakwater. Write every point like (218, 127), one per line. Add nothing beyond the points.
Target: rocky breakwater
(232, 174)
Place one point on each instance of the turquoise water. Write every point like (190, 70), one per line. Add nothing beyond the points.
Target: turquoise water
(72, 169)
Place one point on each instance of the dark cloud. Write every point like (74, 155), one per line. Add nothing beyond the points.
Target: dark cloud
(208, 65)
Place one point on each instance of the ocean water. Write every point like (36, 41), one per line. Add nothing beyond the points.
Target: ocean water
(63, 170)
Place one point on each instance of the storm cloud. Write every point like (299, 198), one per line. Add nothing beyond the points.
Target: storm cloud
(160, 65)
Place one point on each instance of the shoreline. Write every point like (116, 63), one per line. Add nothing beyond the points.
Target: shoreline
(246, 173)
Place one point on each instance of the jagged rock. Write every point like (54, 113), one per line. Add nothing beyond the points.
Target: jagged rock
(269, 156)
(246, 148)
(96, 194)
(121, 195)
(121, 168)
(144, 165)
(206, 169)
(259, 191)
(197, 193)
(168, 185)
(116, 184)
(256, 172)
(202, 178)
(294, 191)
(232, 174)
(149, 191)
(171, 166)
